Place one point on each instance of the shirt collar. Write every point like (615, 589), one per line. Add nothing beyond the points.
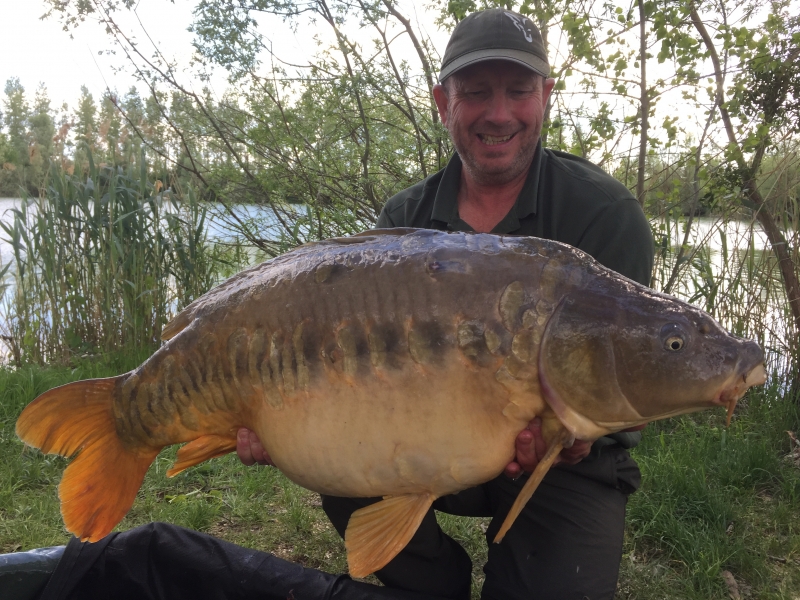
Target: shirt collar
(445, 204)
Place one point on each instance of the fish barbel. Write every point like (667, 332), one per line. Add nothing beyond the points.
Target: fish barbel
(396, 363)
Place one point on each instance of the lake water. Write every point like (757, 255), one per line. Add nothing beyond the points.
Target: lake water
(705, 230)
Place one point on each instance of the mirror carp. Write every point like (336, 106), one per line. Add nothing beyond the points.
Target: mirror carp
(398, 363)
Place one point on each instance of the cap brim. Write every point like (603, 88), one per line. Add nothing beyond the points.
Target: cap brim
(526, 59)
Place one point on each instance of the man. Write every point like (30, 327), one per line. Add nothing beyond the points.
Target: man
(493, 91)
(567, 543)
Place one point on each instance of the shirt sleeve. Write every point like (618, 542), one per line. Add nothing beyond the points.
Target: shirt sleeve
(620, 238)
(384, 220)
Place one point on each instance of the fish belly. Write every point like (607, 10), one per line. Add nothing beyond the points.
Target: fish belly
(409, 431)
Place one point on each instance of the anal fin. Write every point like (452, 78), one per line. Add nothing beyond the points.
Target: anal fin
(378, 532)
(200, 450)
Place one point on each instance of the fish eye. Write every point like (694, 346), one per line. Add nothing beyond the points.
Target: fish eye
(673, 337)
(674, 343)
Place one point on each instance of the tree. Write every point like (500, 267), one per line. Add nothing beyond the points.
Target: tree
(110, 129)
(764, 99)
(16, 120)
(153, 130)
(42, 132)
(85, 130)
(133, 113)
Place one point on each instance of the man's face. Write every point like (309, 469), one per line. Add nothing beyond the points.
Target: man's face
(494, 112)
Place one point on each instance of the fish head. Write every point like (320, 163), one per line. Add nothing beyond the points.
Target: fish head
(616, 355)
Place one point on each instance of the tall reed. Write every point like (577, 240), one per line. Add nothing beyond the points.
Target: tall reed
(102, 263)
(723, 264)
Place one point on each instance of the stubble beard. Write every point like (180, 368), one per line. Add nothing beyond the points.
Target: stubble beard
(484, 174)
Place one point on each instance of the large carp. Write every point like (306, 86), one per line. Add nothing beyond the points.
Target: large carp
(397, 363)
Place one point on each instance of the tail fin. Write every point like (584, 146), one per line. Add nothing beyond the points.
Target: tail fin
(99, 486)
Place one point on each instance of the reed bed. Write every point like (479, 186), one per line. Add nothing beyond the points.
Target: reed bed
(103, 262)
(724, 265)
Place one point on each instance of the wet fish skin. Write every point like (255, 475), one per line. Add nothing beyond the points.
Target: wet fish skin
(398, 362)
(389, 339)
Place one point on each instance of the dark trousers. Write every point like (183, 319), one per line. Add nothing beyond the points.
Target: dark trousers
(566, 544)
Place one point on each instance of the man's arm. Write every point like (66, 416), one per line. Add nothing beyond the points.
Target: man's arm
(620, 238)
(384, 221)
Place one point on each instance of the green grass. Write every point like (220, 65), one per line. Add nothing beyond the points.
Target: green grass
(713, 499)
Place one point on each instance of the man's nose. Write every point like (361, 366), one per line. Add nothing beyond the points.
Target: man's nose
(499, 108)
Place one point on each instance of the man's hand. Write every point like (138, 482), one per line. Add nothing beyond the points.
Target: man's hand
(250, 450)
(531, 448)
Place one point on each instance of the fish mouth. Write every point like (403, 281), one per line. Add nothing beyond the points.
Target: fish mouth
(736, 388)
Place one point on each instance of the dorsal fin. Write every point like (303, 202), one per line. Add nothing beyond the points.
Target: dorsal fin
(178, 324)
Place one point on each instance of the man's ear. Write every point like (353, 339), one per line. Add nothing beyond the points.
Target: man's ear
(547, 88)
(442, 101)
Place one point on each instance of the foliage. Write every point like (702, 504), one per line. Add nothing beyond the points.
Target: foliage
(354, 125)
(103, 262)
(34, 137)
(341, 135)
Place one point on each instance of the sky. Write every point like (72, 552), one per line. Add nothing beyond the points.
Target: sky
(36, 50)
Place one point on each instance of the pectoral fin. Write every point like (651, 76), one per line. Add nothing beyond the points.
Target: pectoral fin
(202, 449)
(378, 532)
(555, 447)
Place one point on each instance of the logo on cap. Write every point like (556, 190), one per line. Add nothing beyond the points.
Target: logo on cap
(519, 23)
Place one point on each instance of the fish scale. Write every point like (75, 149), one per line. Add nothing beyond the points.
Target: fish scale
(398, 363)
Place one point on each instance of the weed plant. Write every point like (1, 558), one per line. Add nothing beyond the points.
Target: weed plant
(713, 499)
(103, 263)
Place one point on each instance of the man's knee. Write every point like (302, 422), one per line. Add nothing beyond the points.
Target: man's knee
(432, 563)
(567, 543)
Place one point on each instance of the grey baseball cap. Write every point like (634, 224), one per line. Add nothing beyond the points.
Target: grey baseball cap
(491, 35)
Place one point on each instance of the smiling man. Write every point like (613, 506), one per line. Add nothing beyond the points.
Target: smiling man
(492, 96)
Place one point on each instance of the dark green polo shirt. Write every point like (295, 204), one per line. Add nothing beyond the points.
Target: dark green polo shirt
(565, 198)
